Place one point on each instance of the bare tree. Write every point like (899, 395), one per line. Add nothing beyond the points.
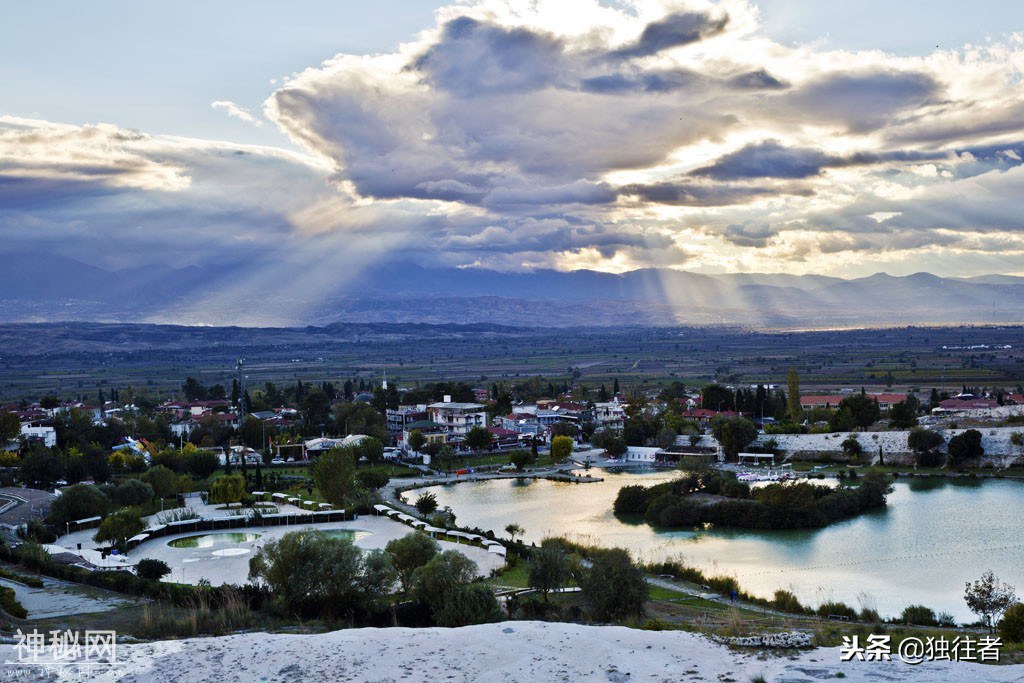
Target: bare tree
(988, 597)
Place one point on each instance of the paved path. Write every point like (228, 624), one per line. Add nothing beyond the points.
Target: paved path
(18, 505)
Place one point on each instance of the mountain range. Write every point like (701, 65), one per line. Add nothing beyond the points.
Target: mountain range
(37, 288)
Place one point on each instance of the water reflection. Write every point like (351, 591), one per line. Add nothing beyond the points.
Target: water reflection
(936, 534)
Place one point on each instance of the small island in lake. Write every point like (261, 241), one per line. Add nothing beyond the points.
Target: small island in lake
(719, 498)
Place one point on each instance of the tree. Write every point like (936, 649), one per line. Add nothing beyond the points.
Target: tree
(852, 447)
(434, 581)
(151, 569)
(794, 410)
(561, 448)
(549, 569)
(467, 605)
(41, 468)
(666, 438)
(335, 476)
(316, 574)
(204, 463)
(478, 438)
(925, 444)
(988, 597)
(733, 433)
(409, 553)
(514, 530)
(416, 440)
(521, 459)
(614, 588)
(717, 397)
(10, 427)
(1011, 626)
(163, 481)
(80, 501)
(863, 409)
(902, 416)
(228, 489)
(360, 418)
(426, 503)
(372, 449)
(132, 492)
(118, 527)
(193, 390)
(372, 480)
(965, 446)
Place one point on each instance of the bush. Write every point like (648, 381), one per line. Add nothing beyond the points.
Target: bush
(10, 604)
(1011, 626)
(839, 609)
(965, 446)
(466, 605)
(784, 601)
(152, 570)
(561, 448)
(409, 553)
(918, 615)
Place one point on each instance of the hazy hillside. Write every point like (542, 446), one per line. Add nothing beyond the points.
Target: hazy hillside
(52, 288)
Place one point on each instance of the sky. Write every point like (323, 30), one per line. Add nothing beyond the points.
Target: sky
(319, 138)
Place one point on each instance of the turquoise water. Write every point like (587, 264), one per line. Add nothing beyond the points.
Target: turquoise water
(210, 540)
(935, 535)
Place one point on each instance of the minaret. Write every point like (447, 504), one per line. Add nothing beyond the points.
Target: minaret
(384, 384)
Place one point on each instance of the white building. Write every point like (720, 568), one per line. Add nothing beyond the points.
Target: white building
(457, 418)
(46, 435)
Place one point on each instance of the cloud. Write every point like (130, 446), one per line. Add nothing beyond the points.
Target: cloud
(235, 111)
(567, 134)
(674, 30)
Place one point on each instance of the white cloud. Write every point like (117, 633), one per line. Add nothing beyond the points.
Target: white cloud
(236, 111)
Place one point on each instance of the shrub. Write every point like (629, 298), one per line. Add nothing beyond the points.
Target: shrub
(1011, 626)
(10, 604)
(784, 601)
(466, 605)
(918, 615)
(152, 570)
(839, 609)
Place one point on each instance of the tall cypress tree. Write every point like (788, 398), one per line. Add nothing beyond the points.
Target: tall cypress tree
(796, 412)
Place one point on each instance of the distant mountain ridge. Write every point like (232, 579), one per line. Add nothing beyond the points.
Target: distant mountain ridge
(37, 288)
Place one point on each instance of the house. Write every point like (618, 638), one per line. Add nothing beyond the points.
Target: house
(610, 415)
(184, 428)
(885, 401)
(431, 431)
(704, 416)
(44, 435)
(953, 405)
(457, 418)
(504, 438)
(398, 418)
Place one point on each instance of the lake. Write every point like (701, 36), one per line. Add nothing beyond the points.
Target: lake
(935, 535)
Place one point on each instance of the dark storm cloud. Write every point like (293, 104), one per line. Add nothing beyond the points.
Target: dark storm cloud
(674, 30)
(863, 101)
(476, 58)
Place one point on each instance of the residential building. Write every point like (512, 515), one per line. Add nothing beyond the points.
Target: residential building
(457, 418)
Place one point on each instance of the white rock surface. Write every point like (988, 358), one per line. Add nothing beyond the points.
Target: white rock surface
(492, 653)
